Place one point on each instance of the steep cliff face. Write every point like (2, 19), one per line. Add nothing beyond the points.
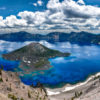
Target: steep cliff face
(11, 88)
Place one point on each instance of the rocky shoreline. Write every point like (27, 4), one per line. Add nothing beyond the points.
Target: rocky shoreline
(79, 91)
(11, 88)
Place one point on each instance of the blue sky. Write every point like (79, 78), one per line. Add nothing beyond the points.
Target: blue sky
(42, 16)
(15, 6)
(9, 7)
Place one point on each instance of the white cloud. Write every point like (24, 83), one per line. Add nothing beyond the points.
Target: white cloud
(81, 2)
(12, 21)
(67, 15)
(11, 46)
(2, 8)
(39, 2)
(35, 4)
(72, 9)
(32, 18)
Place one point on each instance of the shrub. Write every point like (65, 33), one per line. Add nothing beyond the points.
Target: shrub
(11, 96)
(29, 94)
(6, 79)
(1, 80)
(21, 99)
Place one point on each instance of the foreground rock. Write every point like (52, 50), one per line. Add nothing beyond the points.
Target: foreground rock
(35, 56)
(11, 88)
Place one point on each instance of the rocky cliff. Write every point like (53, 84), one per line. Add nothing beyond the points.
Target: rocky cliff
(11, 88)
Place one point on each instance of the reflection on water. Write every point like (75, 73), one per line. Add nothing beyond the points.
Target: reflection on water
(84, 60)
(8, 65)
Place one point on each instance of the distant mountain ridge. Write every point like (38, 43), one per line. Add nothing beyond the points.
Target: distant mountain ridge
(81, 38)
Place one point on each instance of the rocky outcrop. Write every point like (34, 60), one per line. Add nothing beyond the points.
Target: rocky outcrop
(11, 88)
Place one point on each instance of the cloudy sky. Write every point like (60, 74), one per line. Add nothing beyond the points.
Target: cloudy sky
(43, 16)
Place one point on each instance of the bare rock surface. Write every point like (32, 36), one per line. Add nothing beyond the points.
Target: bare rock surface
(11, 88)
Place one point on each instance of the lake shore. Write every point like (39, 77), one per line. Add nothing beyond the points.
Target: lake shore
(68, 91)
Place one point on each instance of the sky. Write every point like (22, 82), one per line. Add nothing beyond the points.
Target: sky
(44, 16)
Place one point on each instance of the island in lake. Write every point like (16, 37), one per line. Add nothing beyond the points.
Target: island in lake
(35, 56)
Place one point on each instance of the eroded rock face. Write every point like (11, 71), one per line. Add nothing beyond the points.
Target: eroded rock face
(12, 87)
(35, 56)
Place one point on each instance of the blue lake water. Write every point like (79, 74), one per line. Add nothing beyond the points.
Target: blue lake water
(8, 65)
(84, 61)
